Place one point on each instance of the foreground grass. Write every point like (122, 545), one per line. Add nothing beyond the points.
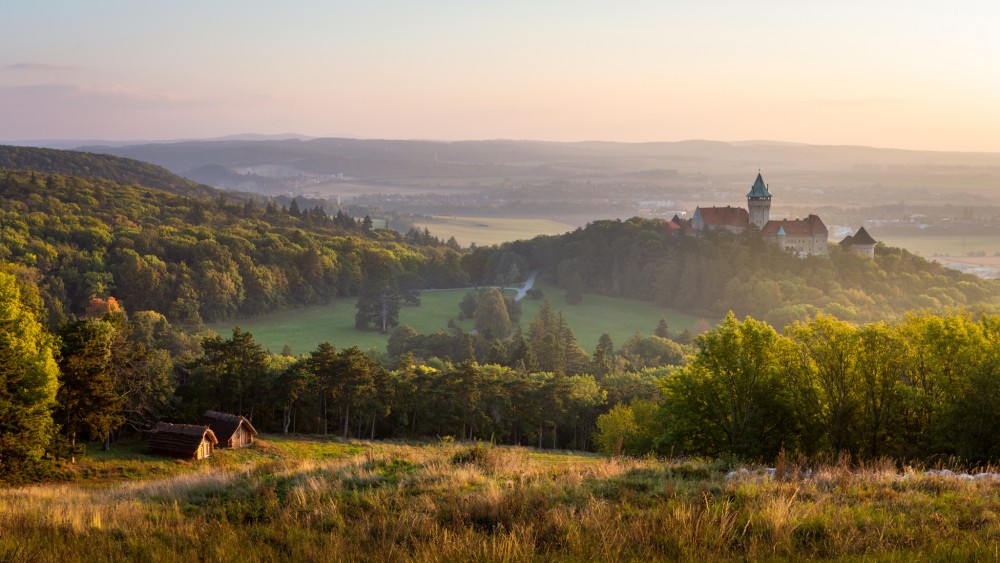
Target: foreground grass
(308, 500)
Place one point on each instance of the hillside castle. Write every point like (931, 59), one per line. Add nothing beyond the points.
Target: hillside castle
(804, 237)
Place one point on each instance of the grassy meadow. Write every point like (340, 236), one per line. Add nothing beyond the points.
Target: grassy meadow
(305, 328)
(486, 231)
(310, 499)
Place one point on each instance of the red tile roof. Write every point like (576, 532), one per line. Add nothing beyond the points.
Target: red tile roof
(811, 225)
(725, 216)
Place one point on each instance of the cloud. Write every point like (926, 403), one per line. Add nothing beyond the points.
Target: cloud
(37, 67)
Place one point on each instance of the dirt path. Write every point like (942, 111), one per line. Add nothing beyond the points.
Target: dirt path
(521, 291)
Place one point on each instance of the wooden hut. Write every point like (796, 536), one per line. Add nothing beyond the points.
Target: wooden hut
(183, 440)
(232, 430)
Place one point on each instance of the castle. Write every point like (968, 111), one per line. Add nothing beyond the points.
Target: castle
(803, 237)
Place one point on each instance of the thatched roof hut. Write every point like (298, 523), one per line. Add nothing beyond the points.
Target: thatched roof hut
(183, 440)
(232, 430)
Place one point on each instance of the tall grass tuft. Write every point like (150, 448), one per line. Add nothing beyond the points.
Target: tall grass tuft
(316, 499)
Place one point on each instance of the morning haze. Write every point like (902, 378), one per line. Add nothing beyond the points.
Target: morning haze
(519, 281)
(886, 74)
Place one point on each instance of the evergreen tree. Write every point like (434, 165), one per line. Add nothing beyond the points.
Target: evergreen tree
(662, 330)
(492, 319)
(88, 398)
(379, 298)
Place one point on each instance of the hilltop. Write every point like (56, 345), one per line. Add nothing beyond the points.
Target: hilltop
(106, 167)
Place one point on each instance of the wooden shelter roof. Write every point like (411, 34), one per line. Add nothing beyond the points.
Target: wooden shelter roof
(180, 439)
(225, 425)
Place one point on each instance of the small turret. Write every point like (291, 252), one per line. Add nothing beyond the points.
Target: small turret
(860, 243)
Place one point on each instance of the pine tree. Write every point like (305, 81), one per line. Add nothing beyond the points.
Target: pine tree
(492, 319)
(662, 330)
(88, 399)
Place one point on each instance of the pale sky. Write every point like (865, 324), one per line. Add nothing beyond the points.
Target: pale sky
(906, 74)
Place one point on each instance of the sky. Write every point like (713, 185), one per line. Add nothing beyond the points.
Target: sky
(904, 74)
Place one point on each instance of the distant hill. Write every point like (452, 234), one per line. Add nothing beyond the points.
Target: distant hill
(720, 169)
(102, 166)
(417, 158)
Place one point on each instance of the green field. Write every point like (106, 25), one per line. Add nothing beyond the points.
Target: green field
(303, 329)
(491, 230)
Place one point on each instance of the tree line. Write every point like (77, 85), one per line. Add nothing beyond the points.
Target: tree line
(922, 387)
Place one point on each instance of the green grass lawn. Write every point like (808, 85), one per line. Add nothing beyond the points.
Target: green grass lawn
(305, 328)
(597, 314)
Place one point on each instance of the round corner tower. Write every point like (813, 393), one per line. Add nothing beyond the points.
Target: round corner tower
(759, 203)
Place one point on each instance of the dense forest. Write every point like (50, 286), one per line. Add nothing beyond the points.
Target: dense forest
(922, 388)
(194, 259)
(710, 275)
(92, 165)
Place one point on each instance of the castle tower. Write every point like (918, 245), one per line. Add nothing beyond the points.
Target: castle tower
(759, 203)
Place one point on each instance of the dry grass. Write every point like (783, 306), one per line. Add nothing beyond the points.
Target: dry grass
(481, 503)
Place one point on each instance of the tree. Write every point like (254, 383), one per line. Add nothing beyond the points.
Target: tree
(232, 375)
(732, 397)
(492, 319)
(379, 298)
(613, 428)
(88, 398)
(828, 378)
(399, 340)
(603, 355)
(662, 330)
(880, 370)
(293, 385)
(467, 307)
(28, 379)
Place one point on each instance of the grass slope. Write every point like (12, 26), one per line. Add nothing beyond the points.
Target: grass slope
(312, 500)
(305, 328)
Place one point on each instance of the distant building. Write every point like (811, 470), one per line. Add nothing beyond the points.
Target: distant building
(759, 203)
(231, 430)
(733, 219)
(803, 237)
(860, 243)
(183, 440)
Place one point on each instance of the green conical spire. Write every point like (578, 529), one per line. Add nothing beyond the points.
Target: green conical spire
(759, 188)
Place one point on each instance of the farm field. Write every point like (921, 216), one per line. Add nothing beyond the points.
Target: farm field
(938, 245)
(305, 328)
(312, 499)
(486, 231)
